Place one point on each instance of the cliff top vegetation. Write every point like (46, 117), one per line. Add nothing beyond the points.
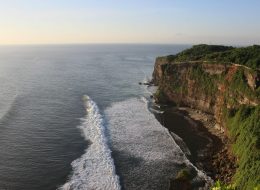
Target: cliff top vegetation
(247, 56)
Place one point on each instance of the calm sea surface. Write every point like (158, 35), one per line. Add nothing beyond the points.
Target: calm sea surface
(64, 108)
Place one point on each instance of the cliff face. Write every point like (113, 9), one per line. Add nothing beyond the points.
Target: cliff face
(213, 83)
(225, 82)
(210, 87)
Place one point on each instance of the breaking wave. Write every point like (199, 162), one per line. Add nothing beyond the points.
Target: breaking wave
(95, 169)
(145, 154)
(7, 108)
(8, 97)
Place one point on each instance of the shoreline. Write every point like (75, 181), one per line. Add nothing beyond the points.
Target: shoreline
(205, 145)
(218, 156)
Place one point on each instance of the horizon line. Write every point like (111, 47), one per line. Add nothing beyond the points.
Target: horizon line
(121, 43)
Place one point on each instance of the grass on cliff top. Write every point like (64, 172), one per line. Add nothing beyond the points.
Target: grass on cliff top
(244, 129)
(248, 56)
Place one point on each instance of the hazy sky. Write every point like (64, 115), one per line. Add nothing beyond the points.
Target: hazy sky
(129, 21)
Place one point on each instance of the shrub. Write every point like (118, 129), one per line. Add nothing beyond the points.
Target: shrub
(219, 186)
(248, 56)
(244, 127)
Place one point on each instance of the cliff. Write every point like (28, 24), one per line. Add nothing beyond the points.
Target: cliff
(205, 78)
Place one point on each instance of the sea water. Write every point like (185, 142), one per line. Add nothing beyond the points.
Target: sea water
(74, 117)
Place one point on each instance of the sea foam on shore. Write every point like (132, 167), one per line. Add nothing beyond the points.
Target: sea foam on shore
(145, 154)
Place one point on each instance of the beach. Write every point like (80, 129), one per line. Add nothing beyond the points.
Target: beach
(200, 139)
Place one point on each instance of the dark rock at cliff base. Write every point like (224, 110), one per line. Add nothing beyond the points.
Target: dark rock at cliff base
(178, 184)
(145, 83)
(185, 180)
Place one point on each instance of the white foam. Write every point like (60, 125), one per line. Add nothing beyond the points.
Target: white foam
(181, 144)
(148, 89)
(146, 154)
(156, 111)
(145, 150)
(146, 78)
(95, 169)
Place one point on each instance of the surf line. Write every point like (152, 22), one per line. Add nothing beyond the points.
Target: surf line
(95, 169)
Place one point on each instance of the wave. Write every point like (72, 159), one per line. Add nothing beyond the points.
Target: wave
(148, 89)
(7, 109)
(8, 97)
(181, 144)
(145, 153)
(95, 169)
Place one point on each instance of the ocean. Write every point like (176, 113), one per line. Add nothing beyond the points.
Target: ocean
(75, 117)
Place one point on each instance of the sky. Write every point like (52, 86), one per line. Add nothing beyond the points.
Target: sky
(235, 22)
